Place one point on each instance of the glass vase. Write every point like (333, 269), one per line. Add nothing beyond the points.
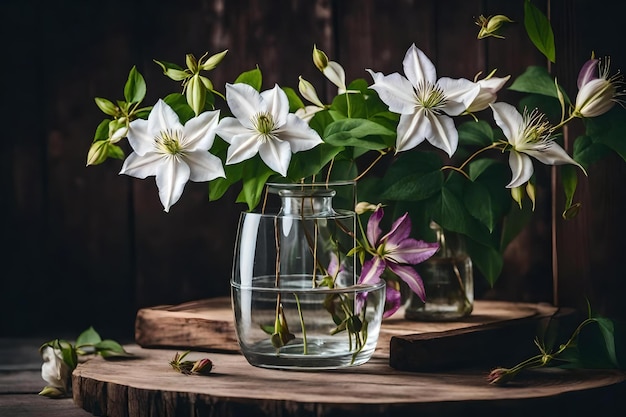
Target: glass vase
(448, 282)
(294, 292)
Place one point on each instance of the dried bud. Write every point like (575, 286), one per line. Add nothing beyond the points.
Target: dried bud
(499, 376)
(202, 366)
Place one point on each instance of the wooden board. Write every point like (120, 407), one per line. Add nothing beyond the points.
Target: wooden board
(208, 325)
(147, 386)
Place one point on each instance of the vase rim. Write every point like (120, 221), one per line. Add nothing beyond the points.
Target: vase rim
(356, 288)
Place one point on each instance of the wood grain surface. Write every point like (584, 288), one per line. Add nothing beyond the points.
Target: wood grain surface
(147, 386)
(495, 329)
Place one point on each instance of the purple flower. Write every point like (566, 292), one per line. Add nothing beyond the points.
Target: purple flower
(397, 252)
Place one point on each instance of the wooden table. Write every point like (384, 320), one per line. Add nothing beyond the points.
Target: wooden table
(147, 386)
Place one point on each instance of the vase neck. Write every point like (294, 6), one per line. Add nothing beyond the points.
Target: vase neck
(318, 202)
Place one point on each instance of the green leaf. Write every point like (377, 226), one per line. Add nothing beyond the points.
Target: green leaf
(109, 348)
(539, 30)
(536, 80)
(587, 152)
(114, 151)
(607, 328)
(255, 175)
(179, 104)
(569, 178)
(480, 166)
(102, 131)
(311, 162)
(608, 129)
(253, 78)
(135, 88)
(88, 337)
(478, 202)
(514, 222)
(357, 132)
(219, 186)
(413, 176)
(295, 102)
(106, 106)
(474, 133)
(488, 260)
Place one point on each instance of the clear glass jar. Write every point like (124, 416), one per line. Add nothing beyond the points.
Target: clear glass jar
(448, 281)
(294, 292)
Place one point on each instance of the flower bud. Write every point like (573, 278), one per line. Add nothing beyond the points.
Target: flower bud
(196, 94)
(202, 366)
(517, 193)
(117, 130)
(98, 152)
(213, 61)
(308, 92)
(597, 91)
(55, 372)
(364, 207)
(191, 62)
(595, 98)
(491, 25)
(530, 191)
(173, 71)
(319, 59)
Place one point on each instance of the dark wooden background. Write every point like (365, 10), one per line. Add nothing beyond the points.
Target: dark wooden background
(83, 246)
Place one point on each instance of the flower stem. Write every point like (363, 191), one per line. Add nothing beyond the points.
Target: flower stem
(305, 346)
(494, 145)
(378, 158)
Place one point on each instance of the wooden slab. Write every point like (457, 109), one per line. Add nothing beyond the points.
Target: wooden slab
(147, 386)
(208, 325)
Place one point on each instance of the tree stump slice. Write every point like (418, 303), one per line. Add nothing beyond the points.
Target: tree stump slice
(147, 386)
(207, 325)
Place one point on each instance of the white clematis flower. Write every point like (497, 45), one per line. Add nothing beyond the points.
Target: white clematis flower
(173, 153)
(425, 104)
(55, 371)
(263, 125)
(528, 135)
(489, 87)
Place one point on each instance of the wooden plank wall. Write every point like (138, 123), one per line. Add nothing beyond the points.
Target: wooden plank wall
(85, 246)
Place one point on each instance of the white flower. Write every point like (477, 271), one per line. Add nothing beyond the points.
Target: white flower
(597, 90)
(528, 135)
(489, 87)
(263, 125)
(173, 153)
(424, 103)
(54, 370)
